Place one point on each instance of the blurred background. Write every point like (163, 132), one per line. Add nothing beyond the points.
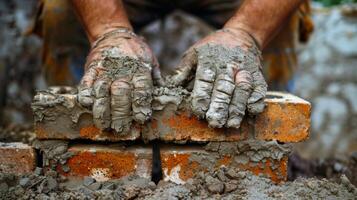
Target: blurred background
(324, 72)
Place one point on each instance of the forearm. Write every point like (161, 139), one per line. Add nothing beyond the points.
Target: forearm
(262, 18)
(98, 17)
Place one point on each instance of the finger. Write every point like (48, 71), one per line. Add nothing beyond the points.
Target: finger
(121, 105)
(237, 107)
(101, 106)
(85, 88)
(142, 95)
(202, 89)
(256, 103)
(184, 68)
(217, 113)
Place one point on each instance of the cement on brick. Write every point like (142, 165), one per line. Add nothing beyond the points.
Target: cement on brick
(60, 116)
(57, 117)
(179, 162)
(54, 152)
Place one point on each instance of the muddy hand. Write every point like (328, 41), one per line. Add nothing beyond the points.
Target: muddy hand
(228, 77)
(118, 80)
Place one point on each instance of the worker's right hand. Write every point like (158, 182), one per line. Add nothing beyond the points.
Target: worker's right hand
(118, 82)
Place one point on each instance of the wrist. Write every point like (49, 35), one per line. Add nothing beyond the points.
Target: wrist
(98, 31)
(240, 28)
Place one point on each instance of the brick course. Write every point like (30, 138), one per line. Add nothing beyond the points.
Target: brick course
(286, 119)
(179, 162)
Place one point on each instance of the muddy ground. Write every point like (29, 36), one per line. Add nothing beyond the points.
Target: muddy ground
(220, 184)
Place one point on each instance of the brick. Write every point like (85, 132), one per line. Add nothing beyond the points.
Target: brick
(62, 117)
(183, 163)
(17, 158)
(286, 119)
(179, 163)
(104, 162)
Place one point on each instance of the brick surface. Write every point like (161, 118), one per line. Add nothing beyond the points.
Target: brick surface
(105, 162)
(286, 119)
(17, 158)
(179, 163)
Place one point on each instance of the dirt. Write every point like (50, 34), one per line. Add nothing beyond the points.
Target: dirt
(219, 184)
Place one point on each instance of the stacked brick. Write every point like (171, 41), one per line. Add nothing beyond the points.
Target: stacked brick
(188, 146)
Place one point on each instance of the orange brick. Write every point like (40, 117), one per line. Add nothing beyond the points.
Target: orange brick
(185, 162)
(104, 162)
(179, 163)
(63, 128)
(17, 158)
(285, 119)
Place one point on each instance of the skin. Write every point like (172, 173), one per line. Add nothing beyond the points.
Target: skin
(119, 70)
(223, 89)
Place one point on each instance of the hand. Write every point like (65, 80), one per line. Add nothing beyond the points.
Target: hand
(228, 77)
(118, 80)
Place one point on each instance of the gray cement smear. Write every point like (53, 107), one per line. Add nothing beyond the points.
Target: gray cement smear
(219, 184)
(49, 104)
(244, 152)
(60, 100)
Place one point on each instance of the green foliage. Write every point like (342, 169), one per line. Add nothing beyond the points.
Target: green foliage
(335, 2)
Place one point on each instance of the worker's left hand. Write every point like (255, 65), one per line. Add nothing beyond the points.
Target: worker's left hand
(228, 77)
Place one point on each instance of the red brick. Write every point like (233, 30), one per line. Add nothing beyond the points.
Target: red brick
(105, 162)
(286, 119)
(179, 163)
(17, 158)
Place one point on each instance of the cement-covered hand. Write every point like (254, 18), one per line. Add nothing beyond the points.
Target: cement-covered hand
(118, 80)
(228, 77)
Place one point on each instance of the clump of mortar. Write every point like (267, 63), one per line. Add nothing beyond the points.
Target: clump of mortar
(54, 153)
(219, 184)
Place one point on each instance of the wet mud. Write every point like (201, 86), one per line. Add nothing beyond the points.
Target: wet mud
(219, 184)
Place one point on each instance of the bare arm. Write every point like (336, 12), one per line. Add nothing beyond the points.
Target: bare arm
(262, 18)
(98, 17)
(116, 95)
(229, 81)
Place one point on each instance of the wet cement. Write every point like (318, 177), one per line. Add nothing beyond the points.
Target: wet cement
(219, 184)
(49, 104)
